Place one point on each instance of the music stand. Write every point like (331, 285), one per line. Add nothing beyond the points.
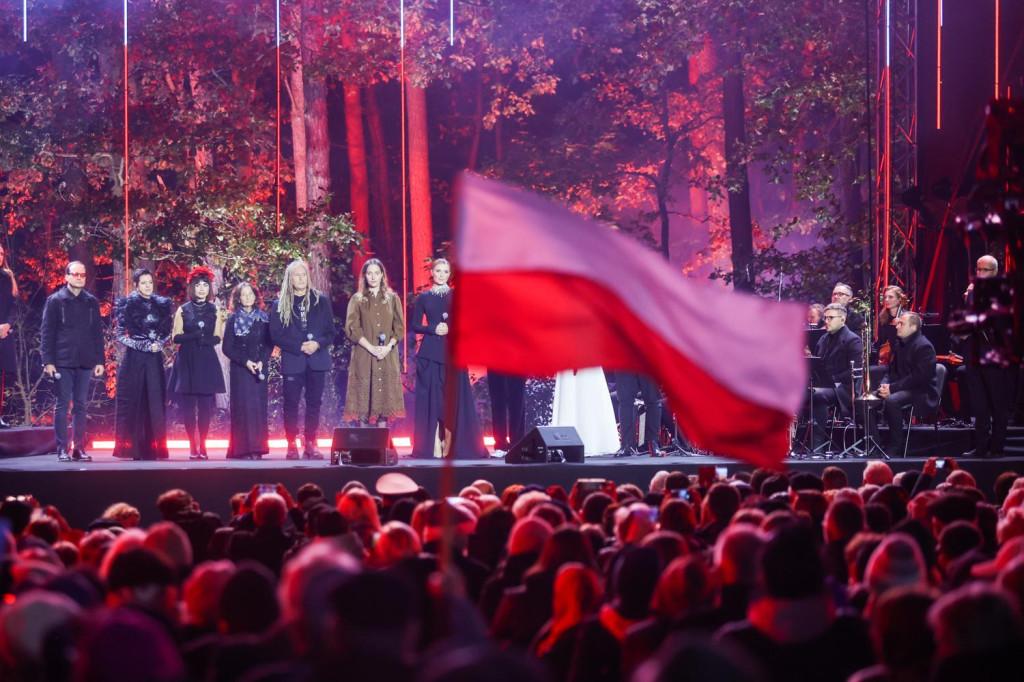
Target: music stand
(866, 445)
(816, 376)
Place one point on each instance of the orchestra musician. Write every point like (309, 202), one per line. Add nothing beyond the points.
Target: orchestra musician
(838, 348)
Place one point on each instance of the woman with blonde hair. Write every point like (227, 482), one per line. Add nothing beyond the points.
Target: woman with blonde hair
(375, 325)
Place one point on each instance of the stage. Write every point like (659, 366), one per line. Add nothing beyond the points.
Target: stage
(83, 490)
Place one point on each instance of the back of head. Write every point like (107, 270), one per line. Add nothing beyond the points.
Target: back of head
(877, 473)
(686, 586)
(173, 502)
(688, 657)
(896, 562)
(634, 578)
(834, 478)
(370, 604)
(248, 604)
(270, 511)
(529, 535)
(843, 520)
(594, 506)
(125, 646)
(168, 541)
(397, 541)
(203, 589)
(723, 500)
(139, 567)
(957, 539)
(26, 624)
(974, 619)
(899, 624)
(791, 567)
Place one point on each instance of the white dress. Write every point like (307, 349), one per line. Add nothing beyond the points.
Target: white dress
(582, 401)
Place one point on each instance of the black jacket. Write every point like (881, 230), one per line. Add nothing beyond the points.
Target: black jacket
(71, 334)
(837, 351)
(319, 324)
(913, 369)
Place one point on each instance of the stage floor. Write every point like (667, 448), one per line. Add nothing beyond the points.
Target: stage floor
(83, 490)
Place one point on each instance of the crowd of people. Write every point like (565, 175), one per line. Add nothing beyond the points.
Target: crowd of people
(760, 576)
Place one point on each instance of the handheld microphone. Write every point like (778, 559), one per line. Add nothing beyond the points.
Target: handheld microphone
(381, 339)
(56, 376)
(202, 325)
(309, 337)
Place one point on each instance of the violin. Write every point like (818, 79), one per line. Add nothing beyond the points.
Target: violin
(951, 359)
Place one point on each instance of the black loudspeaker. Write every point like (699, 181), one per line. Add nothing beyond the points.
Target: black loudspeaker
(363, 446)
(547, 444)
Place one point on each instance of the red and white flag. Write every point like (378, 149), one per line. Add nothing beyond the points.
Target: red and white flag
(543, 289)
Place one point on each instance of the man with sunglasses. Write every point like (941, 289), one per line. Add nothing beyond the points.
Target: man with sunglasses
(71, 336)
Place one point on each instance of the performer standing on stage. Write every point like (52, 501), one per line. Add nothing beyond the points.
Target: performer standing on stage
(990, 385)
(144, 327)
(71, 340)
(8, 310)
(431, 359)
(508, 409)
(374, 324)
(196, 375)
(247, 344)
(627, 385)
(302, 326)
(583, 402)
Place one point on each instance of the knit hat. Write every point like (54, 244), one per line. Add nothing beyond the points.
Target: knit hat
(896, 562)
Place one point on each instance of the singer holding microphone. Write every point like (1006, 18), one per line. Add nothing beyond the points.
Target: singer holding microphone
(247, 345)
(302, 326)
(71, 344)
(431, 424)
(374, 324)
(196, 375)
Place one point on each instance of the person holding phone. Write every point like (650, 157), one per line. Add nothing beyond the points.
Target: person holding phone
(248, 346)
(374, 324)
(302, 326)
(196, 375)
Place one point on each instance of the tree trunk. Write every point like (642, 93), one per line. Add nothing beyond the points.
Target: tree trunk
(380, 197)
(419, 186)
(359, 181)
(737, 182)
(478, 126)
(297, 95)
(318, 141)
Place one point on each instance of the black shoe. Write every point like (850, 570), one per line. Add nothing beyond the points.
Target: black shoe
(312, 453)
(976, 453)
(625, 452)
(3, 424)
(194, 456)
(79, 455)
(63, 456)
(654, 450)
(293, 452)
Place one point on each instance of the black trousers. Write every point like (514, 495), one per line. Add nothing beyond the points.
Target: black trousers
(430, 379)
(72, 387)
(508, 409)
(992, 391)
(311, 382)
(627, 385)
(892, 409)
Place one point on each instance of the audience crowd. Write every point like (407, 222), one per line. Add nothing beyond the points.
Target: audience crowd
(763, 576)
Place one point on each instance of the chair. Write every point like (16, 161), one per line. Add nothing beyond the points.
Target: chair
(940, 375)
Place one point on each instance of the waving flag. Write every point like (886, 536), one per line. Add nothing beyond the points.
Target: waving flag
(543, 289)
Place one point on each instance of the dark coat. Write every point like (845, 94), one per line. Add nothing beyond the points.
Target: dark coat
(913, 369)
(837, 351)
(71, 333)
(436, 308)
(319, 324)
(8, 311)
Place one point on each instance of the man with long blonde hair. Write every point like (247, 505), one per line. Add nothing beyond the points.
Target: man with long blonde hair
(302, 326)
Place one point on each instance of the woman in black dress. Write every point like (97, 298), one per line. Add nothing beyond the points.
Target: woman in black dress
(8, 310)
(144, 327)
(247, 344)
(196, 375)
(435, 305)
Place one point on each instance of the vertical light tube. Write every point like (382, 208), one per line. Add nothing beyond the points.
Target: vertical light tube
(277, 161)
(127, 261)
(997, 50)
(24, 21)
(938, 71)
(405, 190)
(887, 160)
(451, 22)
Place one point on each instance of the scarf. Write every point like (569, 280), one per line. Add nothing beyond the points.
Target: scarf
(245, 320)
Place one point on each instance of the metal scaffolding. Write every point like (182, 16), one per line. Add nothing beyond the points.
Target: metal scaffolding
(896, 148)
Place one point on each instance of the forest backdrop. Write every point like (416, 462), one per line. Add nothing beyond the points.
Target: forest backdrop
(730, 135)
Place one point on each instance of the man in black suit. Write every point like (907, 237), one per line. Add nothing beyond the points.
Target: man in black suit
(627, 385)
(71, 344)
(843, 295)
(837, 348)
(302, 326)
(911, 378)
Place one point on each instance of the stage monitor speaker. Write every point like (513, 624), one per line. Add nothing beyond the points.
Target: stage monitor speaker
(547, 444)
(367, 446)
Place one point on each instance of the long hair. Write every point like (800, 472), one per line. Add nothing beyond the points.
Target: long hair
(236, 296)
(5, 265)
(883, 315)
(285, 299)
(364, 288)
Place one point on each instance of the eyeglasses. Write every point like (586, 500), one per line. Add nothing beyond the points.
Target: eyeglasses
(832, 317)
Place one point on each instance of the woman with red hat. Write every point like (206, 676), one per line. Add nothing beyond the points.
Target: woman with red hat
(196, 375)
